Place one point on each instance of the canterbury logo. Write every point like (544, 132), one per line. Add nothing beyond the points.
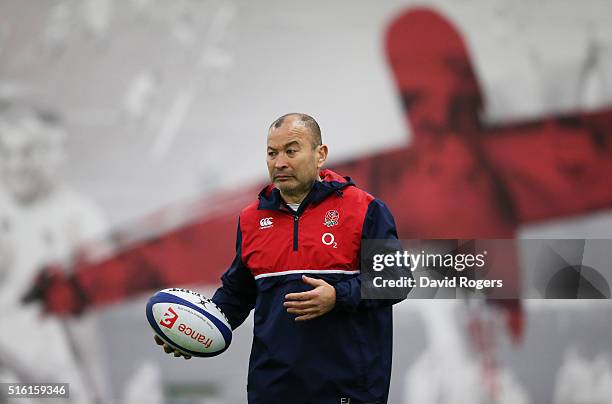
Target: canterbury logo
(169, 319)
(265, 223)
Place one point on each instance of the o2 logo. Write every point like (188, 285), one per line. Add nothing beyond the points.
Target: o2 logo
(329, 239)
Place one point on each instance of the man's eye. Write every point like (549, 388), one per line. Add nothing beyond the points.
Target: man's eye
(290, 152)
(271, 154)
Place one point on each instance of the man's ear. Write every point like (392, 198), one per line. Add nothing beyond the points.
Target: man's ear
(321, 155)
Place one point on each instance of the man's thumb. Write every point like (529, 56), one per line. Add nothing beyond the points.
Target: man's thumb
(312, 281)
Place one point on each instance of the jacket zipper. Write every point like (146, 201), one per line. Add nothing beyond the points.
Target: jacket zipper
(296, 219)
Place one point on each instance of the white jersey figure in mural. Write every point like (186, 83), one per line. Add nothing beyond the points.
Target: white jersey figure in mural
(42, 222)
(583, 380)
(450, 369)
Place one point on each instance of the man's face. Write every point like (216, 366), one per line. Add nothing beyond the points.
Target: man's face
(293, 162)
(29, 157)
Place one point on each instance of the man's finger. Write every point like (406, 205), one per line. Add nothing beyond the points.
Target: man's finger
(299, 296)
(177, 354)
(187, 357)
(168, 349)
(307, 317)
(299, 304)
(158, 340)
(303, 311)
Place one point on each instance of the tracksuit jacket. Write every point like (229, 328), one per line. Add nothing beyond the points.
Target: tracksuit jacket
(341, 355)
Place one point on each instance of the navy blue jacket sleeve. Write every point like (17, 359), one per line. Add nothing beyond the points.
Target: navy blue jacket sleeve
(238, 292)
(380, 225)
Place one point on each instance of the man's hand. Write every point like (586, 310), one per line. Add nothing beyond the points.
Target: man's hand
(168, 349)
(313, 303)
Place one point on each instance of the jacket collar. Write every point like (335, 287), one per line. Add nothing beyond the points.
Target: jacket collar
(331, 182)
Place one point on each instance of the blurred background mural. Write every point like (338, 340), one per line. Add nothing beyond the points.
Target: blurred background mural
(133, 132)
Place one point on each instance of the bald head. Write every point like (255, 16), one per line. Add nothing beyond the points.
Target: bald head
(299, 119)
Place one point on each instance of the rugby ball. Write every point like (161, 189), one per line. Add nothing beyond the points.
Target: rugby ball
(189, 322)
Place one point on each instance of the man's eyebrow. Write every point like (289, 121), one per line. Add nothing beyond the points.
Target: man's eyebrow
(292, 143)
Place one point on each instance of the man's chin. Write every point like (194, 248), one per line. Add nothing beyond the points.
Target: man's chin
(285, 187)
(288, 187)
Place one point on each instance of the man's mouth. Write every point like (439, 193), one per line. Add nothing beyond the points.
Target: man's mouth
(282, 177)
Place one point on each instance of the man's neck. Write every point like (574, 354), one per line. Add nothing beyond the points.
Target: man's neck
(294, 198)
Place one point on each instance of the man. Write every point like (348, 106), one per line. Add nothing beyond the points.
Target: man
(297, 263)
(42, 221)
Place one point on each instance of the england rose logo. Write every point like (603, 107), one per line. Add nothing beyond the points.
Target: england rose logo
(331, 218)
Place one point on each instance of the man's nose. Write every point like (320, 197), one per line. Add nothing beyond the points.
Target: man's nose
(280, 161)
